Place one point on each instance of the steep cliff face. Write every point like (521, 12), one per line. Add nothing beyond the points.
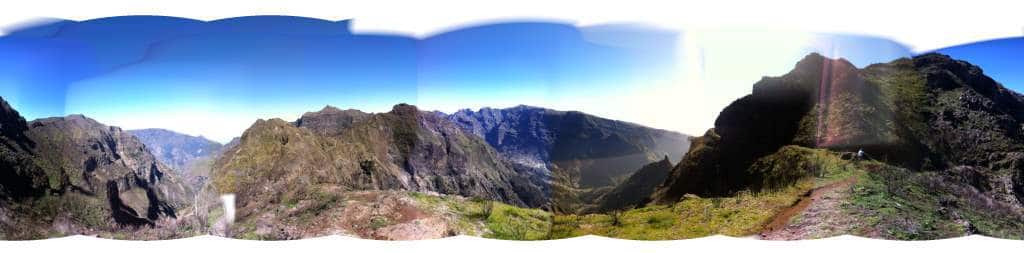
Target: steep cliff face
(579, 156)
(927, 113)
(20, 178)
(333, 151)
(73, 175)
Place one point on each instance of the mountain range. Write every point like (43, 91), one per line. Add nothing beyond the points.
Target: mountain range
(505, 155)
(580, 156)
(917, 148)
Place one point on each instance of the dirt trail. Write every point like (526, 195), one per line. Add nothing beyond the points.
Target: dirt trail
(821, 209)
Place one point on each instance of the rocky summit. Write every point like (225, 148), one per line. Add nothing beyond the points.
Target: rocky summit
(72, 175)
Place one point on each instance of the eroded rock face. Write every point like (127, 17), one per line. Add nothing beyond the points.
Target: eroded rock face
(98, 156)
(81, 175)
(973, 119)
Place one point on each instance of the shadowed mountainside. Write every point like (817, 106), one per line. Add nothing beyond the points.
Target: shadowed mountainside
(581, 156)
(73, 175)
(637, 189)
(947, 139)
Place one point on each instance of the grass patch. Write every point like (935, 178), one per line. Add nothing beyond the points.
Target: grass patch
(896, 203)
(743, 214)
(378, 222)
(740, 215)
(892, 204)
(514, 223)
(490, 219)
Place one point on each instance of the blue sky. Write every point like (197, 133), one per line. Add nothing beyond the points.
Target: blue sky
(216, 78)
(1002, 59)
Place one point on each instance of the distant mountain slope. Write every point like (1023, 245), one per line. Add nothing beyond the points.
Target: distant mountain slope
(175, 149)
(70, 175)
(581, 155)
(191, 156)
(636, 190)
(331, 151)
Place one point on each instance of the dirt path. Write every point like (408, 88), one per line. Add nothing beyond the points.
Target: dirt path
(817, 214)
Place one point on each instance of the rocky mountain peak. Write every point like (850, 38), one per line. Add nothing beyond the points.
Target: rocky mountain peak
(404, 109)
(329, 108)
(927, 113)
(943, 72)
(330, 120)
(814, 60)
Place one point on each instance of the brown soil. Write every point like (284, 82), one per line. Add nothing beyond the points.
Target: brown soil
(381, 215)
(820, 212)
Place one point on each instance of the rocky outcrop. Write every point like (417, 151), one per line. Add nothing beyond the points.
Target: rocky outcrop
(76, 173)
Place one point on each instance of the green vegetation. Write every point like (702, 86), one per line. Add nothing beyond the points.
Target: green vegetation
(378, 222)
(509, 222)
(898, 209)
(794, 163)
(904, 89)
(86, 211)
(490, 219)
(896, 203)
(743, 214)
(214, 215)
